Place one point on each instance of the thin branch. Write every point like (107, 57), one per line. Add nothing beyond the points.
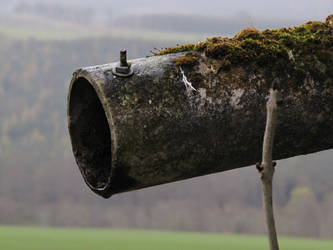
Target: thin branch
(266, 168)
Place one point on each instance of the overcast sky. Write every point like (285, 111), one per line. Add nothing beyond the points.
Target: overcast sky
(294, 9)
(290, 9)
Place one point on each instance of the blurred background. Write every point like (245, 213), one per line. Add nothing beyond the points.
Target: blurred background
(43, 42)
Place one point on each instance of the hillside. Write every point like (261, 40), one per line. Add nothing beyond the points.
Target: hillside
(40, 184)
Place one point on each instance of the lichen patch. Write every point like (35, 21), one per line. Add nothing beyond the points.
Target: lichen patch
(235, 98)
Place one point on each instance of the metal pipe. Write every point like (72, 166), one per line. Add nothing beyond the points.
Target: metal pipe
(166, 123)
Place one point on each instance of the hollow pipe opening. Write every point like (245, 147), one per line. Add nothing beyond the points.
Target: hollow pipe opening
(90, 134)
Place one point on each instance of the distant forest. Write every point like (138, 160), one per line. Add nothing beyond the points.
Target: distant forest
(199, 24)
(41, 185)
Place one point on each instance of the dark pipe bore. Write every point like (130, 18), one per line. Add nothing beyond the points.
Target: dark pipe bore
(90, 134)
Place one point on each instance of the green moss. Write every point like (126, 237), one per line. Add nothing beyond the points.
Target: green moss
(286, 39)
(179, 48)
(314, 26)
(221, 50)
(267, 50)
(249, 33)
(190, 59)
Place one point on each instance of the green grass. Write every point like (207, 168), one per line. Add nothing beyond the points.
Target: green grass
(34, 238)
(29, 27)
(64, 33)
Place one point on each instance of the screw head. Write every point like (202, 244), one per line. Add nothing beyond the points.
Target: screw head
(124, 69)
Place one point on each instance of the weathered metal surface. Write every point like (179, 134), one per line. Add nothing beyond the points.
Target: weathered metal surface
(166, 123)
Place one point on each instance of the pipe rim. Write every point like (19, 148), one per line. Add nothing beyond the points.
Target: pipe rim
(104, 190)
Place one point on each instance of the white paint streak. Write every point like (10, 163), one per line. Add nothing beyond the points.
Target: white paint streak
(188, 85)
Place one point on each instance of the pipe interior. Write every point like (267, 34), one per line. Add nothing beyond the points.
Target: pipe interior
(90, 134)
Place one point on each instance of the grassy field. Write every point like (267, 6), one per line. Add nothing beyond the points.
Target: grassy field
(34, 238)
(30, 27)
(64, 33)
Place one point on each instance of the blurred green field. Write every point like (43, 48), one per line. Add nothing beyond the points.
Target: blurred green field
(71, 33)
(34, 238)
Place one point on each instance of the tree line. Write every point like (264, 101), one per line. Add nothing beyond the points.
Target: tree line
(40, 183)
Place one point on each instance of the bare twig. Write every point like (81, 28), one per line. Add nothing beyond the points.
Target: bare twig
(266, 168)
